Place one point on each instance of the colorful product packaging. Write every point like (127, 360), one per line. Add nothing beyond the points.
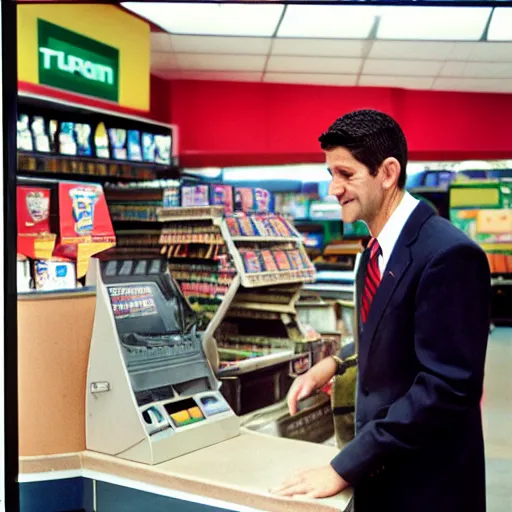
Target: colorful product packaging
(222, 195)
(244, 199)
(55, 274)
(295, 259)
(194, 195)
(269, 264)
(34, 239)
(263, 200)
(282, 261)
(251, 261)
(246, 226)
(85, 225)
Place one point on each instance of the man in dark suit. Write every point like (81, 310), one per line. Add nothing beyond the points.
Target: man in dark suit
(423, 294)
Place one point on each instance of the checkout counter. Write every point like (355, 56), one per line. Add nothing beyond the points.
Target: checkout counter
(157, 428)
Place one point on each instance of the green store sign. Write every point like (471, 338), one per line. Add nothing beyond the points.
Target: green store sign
(76, 63)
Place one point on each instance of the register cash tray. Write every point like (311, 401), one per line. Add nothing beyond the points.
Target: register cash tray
(151, 392)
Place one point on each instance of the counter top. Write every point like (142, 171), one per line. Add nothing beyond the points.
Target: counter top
(240, 470)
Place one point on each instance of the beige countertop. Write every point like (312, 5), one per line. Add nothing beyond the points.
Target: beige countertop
(240, 470)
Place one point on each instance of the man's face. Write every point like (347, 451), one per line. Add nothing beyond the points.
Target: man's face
(359, 193)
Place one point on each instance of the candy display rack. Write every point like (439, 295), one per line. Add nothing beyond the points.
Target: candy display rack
(251, 324)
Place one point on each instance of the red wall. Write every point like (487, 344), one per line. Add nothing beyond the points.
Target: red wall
(230, 123)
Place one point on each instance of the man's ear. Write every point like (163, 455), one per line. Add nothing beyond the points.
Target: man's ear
(390, 169)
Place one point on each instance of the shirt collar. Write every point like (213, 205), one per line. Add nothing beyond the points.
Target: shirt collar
(393, 227)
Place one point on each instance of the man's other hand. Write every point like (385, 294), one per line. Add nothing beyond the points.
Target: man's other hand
(319, 482)
(315, 378)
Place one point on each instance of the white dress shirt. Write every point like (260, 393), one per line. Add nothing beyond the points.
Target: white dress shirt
(393, 227)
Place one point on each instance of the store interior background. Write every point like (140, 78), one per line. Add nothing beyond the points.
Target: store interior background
(244, 91)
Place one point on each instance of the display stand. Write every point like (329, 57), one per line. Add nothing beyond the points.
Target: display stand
(259, 341)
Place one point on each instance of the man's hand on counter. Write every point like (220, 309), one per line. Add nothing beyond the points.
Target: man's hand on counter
(319, 482)
(315, 378)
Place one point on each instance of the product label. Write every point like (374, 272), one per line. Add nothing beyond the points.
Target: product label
(132, 301)
(83, 200)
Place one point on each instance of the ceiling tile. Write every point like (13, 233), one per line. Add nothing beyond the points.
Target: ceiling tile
(320, 47)
(453, 69)
(217, 44)
(491, 52)
(210, 18)
(432, 23)
(323, 65)
(414, 50)
(401, 67)
(160, 42)
(488, 70)
(202, 61)
(404, 82)
(461, 50)
(310, 78)
(329, 21)
(473, 84)
(163, 61)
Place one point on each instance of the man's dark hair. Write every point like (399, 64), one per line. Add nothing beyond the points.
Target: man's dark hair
(371, 137)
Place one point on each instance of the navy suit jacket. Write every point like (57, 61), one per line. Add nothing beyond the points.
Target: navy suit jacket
(419, 445)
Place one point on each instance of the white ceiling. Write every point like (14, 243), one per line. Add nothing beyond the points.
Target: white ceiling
(440, 48)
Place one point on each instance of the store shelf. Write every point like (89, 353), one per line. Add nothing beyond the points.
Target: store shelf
(190, 213)
(265, 239)
(274, 278)
(255, 306)
(86, 291)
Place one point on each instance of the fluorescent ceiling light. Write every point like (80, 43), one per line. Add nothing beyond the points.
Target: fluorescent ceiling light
(327, 21)
(210, 19)
(306, 173)
(500, 26)
(433, 23)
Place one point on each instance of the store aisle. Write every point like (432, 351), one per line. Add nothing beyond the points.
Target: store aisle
(497, 411)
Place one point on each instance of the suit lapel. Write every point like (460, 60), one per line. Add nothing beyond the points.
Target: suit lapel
(397, 266)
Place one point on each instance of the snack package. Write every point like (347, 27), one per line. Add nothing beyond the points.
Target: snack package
(222, 195)
(134, 146)
(233, 226)
(194, 195)
(148, 147)
(279, 226)
(282, 260)
(246, 226)
(251, 261)
(263, 200)
(244, 199)
(295, 259)
(260, 225)
(269, 264)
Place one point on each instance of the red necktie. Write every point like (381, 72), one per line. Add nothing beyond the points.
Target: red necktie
(372, 279)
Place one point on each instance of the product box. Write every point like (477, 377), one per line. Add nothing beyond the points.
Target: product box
(195, 195)
(56, 274)
(263, 200)
(171, 197)
(22, 273)
(244, 199)
(85, 228)
(222, 195)
(33, 210)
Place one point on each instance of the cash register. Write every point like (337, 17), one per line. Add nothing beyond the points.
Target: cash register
(151, 392)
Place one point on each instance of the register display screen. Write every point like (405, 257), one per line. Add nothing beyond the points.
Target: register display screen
(142, 308)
